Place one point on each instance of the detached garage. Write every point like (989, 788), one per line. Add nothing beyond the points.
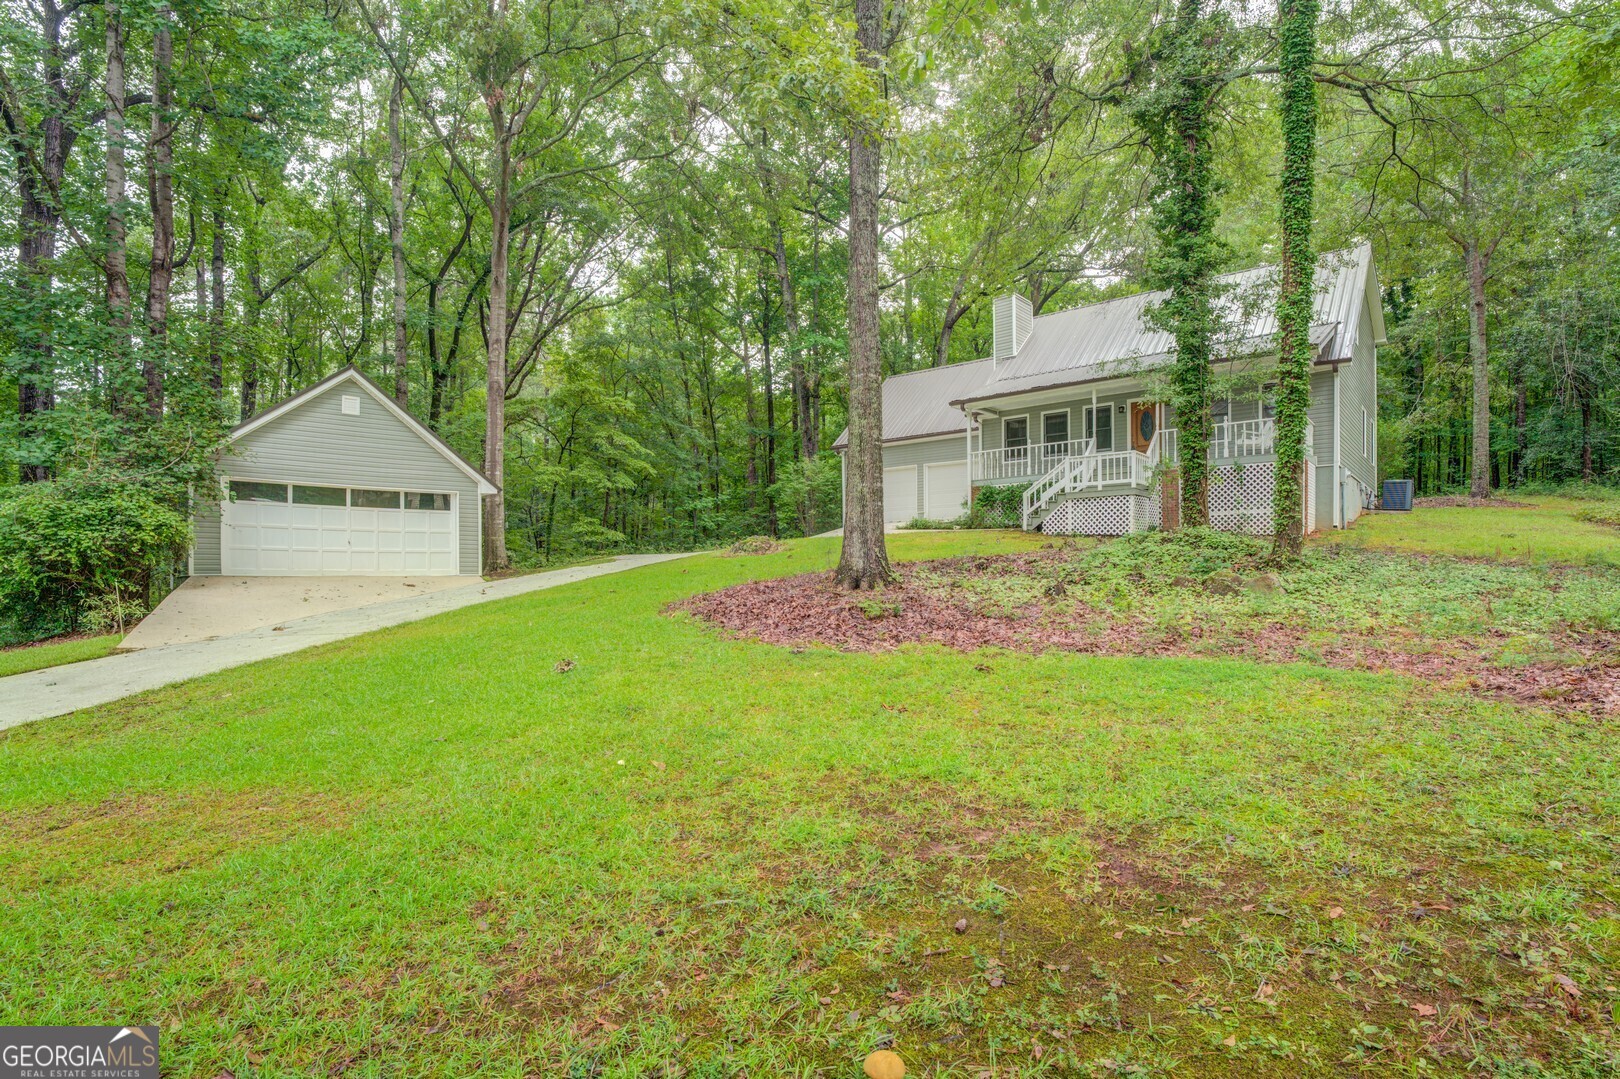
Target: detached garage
(340, 481)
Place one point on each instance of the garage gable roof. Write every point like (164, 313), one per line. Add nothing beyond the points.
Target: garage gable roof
(355, 375)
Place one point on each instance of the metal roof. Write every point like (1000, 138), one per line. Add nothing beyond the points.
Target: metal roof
(917, 404)
(1110, 338)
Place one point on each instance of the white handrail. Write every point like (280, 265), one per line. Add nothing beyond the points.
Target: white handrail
(1020, 461)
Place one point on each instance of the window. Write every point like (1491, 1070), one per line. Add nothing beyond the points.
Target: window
(1055, 427)
(1015, 436)
(1099, 424)
(319, 496)
(374, 500)
(416, 500)
(255, 491)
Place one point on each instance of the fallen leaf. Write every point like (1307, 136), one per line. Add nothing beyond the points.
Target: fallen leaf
(1229, 1041)
(1336, 912)
(1119, 935)
(1425, 1010)
(1265, 990)
(1567, 984)
(658, 765)
(961, 925)
(1248, 906)
(564, 666)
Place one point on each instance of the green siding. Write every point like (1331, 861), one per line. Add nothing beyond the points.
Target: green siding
(315, 443)
(1358, 397)
(924, 452)
(205, 545)
(1321, 413)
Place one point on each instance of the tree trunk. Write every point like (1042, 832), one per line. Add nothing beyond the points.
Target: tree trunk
(801, 383)
(216, 312)
(1475, 260)
(160, 194)
(250, 335)
(117, 194)
(1521, 433)
(954, 310)
(396, 236)
(1187, 252)
(1587, 472)
(864, 560)
(496, 559)
(1296, 294)
(770, 407)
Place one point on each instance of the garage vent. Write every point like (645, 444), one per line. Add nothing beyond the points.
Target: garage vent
(351, 405)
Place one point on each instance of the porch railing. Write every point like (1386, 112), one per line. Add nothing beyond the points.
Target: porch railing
(1021, 462)
(1237, 439)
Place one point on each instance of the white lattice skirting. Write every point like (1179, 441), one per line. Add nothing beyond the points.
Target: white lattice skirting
(1240, 497)
(1108, 515)
(1239, 501)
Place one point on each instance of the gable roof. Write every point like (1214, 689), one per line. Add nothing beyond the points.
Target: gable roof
(1112, 338)
(355, 375)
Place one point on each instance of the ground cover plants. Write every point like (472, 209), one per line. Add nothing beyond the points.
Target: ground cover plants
(443, 850)
(1532, 632)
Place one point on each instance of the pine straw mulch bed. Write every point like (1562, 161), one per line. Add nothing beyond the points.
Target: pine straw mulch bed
(809, 609)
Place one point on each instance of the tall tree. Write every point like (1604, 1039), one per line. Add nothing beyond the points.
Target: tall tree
(864, 560)
(116, 256)
(1296, 291)
(160, 196)
(1176, 114)
(396, 235)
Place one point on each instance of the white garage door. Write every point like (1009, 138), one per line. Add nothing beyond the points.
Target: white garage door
(278, 529)
(945, 491)
(899, 494)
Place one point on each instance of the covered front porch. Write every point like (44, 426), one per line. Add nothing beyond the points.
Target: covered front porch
(1123, 447)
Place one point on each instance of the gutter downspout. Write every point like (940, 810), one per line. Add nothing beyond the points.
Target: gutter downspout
(968, 417)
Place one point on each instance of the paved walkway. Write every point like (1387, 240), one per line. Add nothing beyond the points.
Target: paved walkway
(56, 691)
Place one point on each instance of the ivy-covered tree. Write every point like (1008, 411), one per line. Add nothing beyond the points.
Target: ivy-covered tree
(1296, 108)
(1174, 106)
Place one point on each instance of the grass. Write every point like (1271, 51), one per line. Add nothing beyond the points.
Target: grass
(1550, 530)
(35, 657)
(426, 851)
(1156, 581)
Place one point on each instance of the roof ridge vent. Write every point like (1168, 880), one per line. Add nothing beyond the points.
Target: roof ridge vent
(1012, 320)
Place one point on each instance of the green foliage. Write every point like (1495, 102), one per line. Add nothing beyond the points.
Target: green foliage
(999, 506)
(761, 807)
(87, 543)
(1175, 111)
(1296, 299)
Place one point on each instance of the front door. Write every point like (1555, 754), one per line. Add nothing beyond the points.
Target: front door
(1144, 424)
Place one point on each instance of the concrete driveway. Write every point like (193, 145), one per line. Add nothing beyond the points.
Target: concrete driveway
(59, 690)
(204, 608)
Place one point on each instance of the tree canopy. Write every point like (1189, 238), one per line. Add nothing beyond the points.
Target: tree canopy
(609, 250)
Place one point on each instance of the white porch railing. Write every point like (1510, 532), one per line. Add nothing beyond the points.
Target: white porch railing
(1238, 439)
(1023, 462)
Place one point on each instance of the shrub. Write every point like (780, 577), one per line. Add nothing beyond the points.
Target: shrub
(79, 541)
(998, 507)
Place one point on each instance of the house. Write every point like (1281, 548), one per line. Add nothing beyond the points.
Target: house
(339, 480)
(1072, 404)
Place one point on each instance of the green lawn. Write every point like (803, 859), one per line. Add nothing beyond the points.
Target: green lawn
(1549, 530)
(426, 851)
(34, 657)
